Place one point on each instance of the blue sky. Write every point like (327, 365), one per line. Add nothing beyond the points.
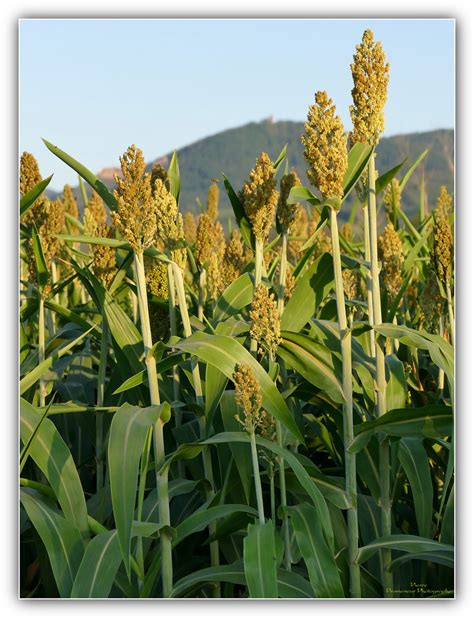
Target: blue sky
(93, 87)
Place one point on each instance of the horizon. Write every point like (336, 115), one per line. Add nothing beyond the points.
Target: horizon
(107, 98)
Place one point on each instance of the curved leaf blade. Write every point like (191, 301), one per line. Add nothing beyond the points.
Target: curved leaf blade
(260, 561)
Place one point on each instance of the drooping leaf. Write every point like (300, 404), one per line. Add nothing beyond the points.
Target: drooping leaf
(415, 463)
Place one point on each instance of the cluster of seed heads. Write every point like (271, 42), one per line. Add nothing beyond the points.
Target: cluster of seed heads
(325, 147)
(265, 321)
(213, 201)
(370, 74)
(259, 197)
(210, 239)
(95, 213)
(248, 397)
(70, 202)
(156, 276)
(286, 213)
(104, 265)
(189, 227)
(392, 197)
(442, 254)
(391, 255)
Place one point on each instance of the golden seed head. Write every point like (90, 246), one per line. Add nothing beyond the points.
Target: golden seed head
(325, 147)
(30, 175)
(135, 217)
(391, 255)
(370, 74)
(346, 231)
(209, 240)
(70, 202)
(286, 213)
(351, 283)
(392, 196)
(158, 172)
(157, 278)
(214, 278)
(234, 259)
(213, 201)
(265, 321)
(442, 253)
(189, 226)
(169, 223)
(96, 208)
(259, 197)
(248, 397)
(431, 303)
(104, 265)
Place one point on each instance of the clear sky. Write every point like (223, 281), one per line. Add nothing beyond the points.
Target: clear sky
(93, 87)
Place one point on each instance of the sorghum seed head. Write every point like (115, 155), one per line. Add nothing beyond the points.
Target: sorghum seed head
(30, 175)
(351, 283)
(70, 202)
(213, 201)
(96, 207)
(391, 255)
(286, 213)
(392, 196)
(104, 265)
(247, 396)
(157, 278)
(444, 202)
(259, 197)
(442, 253)
(265, 321)
(214, 279)
(346, 231)
(325, 147)
(234, 259)
(209, 240)
(135, 217)
(431, 303)
(158, 172)
(370, 74)
(189, 225)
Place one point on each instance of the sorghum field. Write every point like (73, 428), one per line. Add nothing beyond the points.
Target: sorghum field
(263, 411)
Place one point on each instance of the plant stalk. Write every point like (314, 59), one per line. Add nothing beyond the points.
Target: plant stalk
(283, 268)
(384, 450)
(41, 349)
(350, 458)
(368, 279)
(450, 311)
(282, 478)
(257, 480)
(159, 446)
(99, 419)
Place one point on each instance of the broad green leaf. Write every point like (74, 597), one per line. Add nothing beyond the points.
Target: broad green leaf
(405, 542)
(320, 562)
(62, 540)
(42, 271)
(414, 460)
(225, 353)
(447, 526)
(260, 561)
(310, 360)
(311, 289)
(52, 456)
(98, 568)
(411, 169)
(30, 198)
(434, 421)
(240, 216)
(94, 240)
(303, 194)
(281, 157)
(174, 177)
(385, 179)
(34, 375)
(358, 159)
(88, 176)
(234, 298)
(396, 389)
(128, 432)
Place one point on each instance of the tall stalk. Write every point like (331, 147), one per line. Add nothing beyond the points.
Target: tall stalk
(368, 278)
(450, 311)
(257, 480)
(258, 280)
(350, 458)
(159, 447)
(174, 332)
(283, 268)
(384, 449)
(41, 348)
(99, 420)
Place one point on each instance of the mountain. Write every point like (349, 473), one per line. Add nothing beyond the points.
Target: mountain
(234, 151)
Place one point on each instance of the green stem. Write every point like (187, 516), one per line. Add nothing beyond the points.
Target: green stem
(271, 476)
(450, 311)
(201, 294)
(258, 280)
(384, 450)
(173, 332)
(256, 476)
(348, 430)
(283, 268)
(41, 348)
(145, 458)
(282, 478)
(99, 419)
(440, 371)
(368, 279)
(161, 477)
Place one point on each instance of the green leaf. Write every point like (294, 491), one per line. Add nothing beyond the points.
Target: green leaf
(30, 198)
(414, 461)
(41, 266)
(310, 360)
(173, 175)
(281, 157)
(320, 562)
(405, 542)
(63, 542)
(303, 194)
(358, 159)
(52, 456)
(260, 561)
(128, 432)
(385, 179)
(34, 375)
(235, 297)
(225, 353)
(447, 527)
(240, 216)
(88, 176)
(411, 169)
(434, 421)
(94, 240)
(98, 568)
(311, 289)
(396, 389)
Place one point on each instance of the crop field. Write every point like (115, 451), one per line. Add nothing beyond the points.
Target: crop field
(262, 410)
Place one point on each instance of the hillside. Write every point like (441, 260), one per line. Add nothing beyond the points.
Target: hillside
(234, 152)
